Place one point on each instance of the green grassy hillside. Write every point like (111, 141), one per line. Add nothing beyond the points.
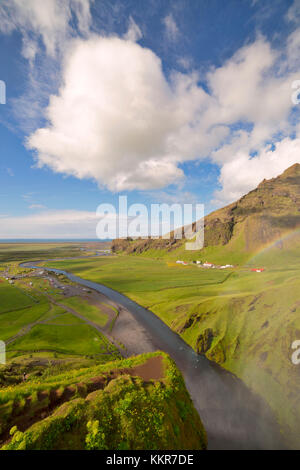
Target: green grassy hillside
(243, 320)
(236, 232)
(138, 403)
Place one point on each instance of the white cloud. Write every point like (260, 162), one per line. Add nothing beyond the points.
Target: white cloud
(293, 12)
(31, 200)
(51, 224)
(134, 32)
(36, 206)
(185, 62)
(119, 121)
(46, 20)
(244, 173)
(249, 89)
(71, 224)
(171, 27)
(293, 50)
(254, 87)
(46, 28)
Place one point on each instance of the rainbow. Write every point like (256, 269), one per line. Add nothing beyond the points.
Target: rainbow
(277, 243)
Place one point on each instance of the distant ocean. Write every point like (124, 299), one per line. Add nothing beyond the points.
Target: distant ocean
(51, 240)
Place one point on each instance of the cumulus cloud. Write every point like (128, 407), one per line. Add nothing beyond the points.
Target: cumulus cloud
(171, 27)
(119, 121)
(248, 89)
(244, 173)
(47, 21)
(256, 86)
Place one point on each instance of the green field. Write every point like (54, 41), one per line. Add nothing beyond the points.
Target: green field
(243, 320)
(12, 298)
(91, 312)
(68, 339)
(64, 319)
(143, 278)
(27, 251)
(30, 323)
(12, 322)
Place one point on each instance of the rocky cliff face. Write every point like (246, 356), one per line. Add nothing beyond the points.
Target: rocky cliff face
(262, 216)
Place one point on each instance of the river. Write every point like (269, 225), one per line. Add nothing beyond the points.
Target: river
(234, 417)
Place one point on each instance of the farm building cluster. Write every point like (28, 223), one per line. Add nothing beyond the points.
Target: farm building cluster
(200, 264)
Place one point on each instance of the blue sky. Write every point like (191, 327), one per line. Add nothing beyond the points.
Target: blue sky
(163, 101)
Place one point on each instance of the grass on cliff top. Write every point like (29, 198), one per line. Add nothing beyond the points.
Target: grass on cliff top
(124, 412)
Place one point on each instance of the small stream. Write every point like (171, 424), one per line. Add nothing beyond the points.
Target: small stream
(234, 418)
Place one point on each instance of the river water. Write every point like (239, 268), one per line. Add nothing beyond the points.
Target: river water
(234, 418)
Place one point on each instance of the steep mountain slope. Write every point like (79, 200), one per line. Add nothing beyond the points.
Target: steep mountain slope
(138, 403)
(248, 322)
(263, 214)
(240, 229)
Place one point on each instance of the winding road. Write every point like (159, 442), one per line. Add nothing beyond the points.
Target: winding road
(233, 416)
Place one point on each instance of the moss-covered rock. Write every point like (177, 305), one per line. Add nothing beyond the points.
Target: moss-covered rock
(204, 341)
